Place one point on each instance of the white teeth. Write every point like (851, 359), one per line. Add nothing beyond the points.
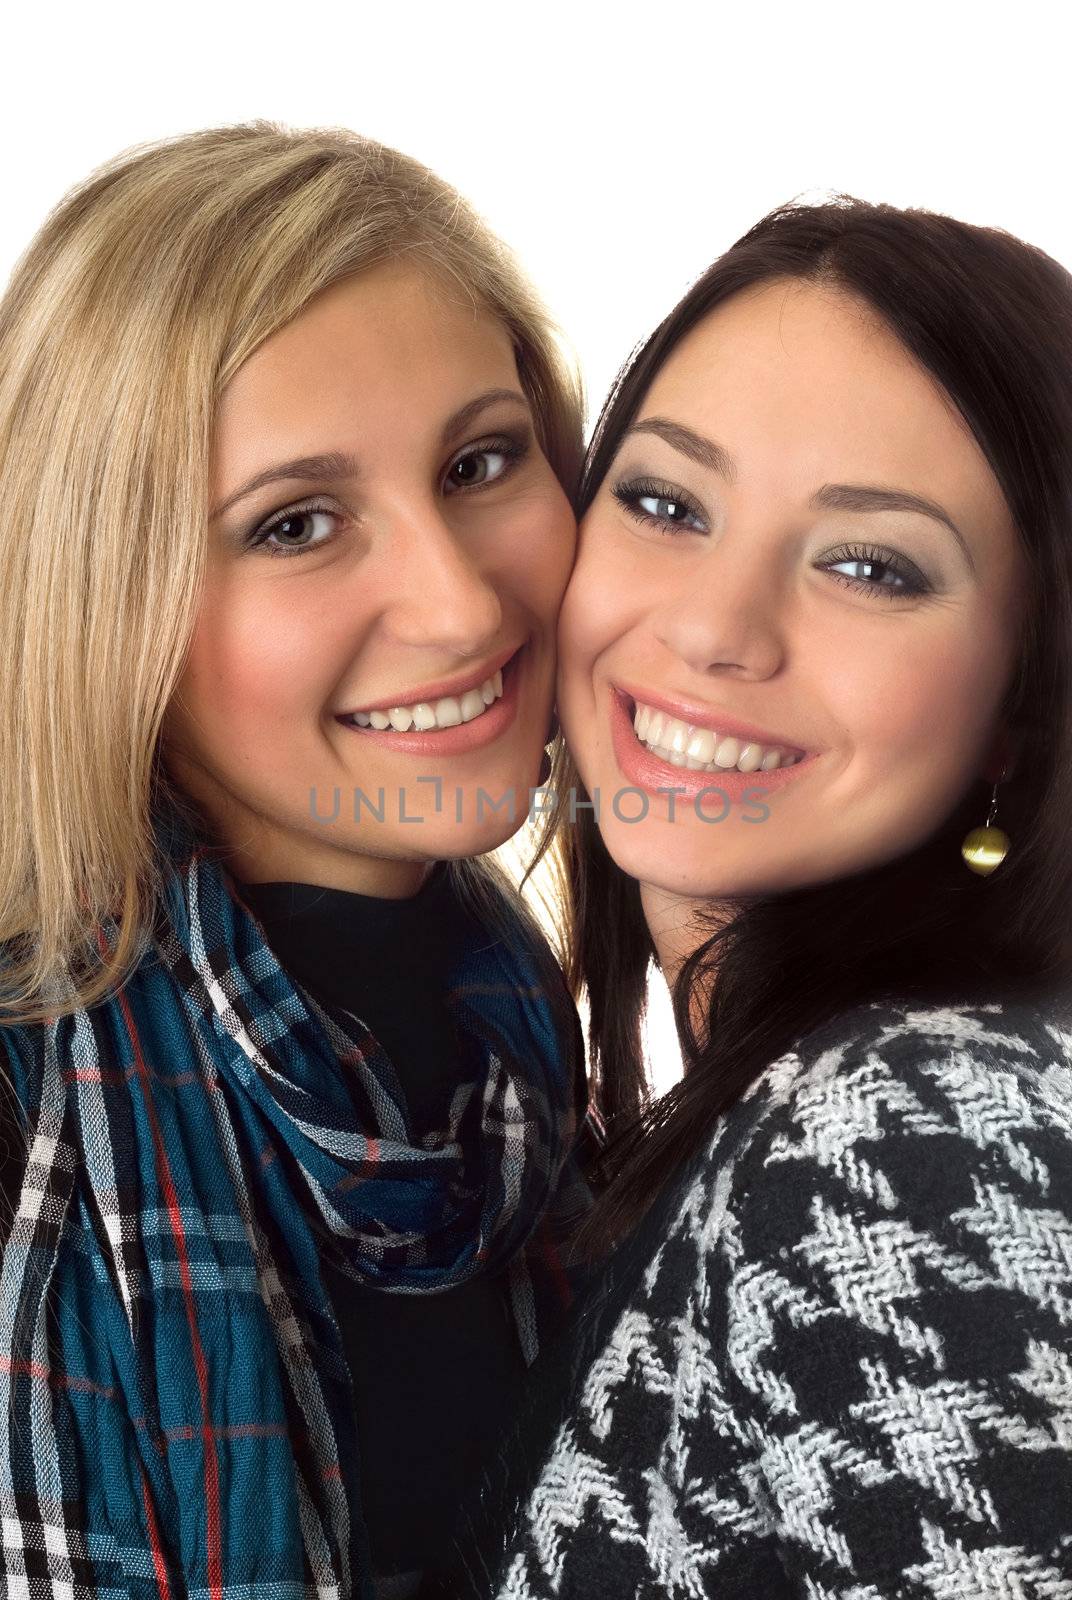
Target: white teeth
(446, 713)
(698, 749)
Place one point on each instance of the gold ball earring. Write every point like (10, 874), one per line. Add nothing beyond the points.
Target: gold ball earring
(986, 848)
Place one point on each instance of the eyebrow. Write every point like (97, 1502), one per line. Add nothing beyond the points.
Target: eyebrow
(831, 497)
(338, 464)
(869, 497)
(705, 452)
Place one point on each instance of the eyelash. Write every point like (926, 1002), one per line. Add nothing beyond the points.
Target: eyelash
(913, 583)
(515, 449)
(912, 580)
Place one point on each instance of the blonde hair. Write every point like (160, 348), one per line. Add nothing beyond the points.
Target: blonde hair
(140, 297)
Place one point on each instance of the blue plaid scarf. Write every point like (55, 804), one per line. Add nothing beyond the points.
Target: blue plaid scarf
(177, 1417)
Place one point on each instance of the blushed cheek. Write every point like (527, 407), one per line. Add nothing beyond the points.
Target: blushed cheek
(614, 597)
(250, 669)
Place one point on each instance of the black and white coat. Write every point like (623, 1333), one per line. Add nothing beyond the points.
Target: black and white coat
(836, 1362)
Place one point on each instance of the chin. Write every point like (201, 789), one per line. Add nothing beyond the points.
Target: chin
(447, 835)
(444, 842)
(697, 868)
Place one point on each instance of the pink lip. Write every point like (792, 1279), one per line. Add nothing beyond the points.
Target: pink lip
(703, 717)
(644, 770)
(466, 736)
(457, 685)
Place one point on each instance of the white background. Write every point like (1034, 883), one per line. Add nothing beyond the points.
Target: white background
(617, 150)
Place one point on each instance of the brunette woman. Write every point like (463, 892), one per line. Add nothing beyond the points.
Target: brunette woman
(815, 674)
(285, 445)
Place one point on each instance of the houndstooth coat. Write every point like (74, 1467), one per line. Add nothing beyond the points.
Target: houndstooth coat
(835, 1363)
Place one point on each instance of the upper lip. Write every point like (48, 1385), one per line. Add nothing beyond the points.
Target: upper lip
(441, 688)
(705, 717)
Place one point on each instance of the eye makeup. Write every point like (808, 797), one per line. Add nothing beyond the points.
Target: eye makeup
(665, 507)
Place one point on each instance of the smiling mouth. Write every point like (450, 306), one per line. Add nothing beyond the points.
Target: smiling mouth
(701, 749)
(446, 711)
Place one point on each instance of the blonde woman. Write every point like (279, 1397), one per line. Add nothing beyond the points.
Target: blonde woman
(293, 1080)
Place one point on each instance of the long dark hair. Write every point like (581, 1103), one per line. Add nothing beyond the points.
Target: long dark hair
(991, 319)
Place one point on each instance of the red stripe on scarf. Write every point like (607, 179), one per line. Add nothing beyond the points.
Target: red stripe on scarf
(167, 1183)
(365, 1170)
(34, 1369)
(114, 1076)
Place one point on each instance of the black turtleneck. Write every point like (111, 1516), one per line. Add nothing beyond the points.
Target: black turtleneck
(435, 1377)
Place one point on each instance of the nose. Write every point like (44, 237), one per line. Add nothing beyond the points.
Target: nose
(439, 594)
(721, 615)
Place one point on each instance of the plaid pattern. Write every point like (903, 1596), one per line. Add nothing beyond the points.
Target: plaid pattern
(177, 1417)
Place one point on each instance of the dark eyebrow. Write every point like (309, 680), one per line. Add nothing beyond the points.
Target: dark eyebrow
(336, 464)
(868, 497)
(705, 452)
(831, 497)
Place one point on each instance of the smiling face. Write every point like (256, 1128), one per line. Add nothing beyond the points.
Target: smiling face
(800, 562)
(380, 618)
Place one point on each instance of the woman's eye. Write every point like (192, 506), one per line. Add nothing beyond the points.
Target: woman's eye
(650, 502)
(665, 510)
(295, 531)
(876, 572)
(483, 465)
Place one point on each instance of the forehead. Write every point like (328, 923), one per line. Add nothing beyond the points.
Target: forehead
(794, 378)
(384, 346)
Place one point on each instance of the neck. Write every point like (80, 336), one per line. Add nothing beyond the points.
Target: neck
(678, 925)
(380, 879)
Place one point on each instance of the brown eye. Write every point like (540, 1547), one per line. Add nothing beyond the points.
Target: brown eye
(485, 464)
(296, 530)
(470, 469)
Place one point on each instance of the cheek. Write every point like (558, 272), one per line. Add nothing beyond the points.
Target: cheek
(924, 699)
(586, 625)
(601, 605)
(253, 660)
(536, 545)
